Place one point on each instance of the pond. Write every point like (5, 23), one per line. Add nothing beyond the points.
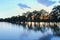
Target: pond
(30, 31)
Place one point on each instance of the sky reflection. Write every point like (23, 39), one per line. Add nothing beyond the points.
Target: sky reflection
(10, 31)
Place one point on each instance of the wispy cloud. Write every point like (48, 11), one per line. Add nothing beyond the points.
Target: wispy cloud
(23, 6)
(46, 2)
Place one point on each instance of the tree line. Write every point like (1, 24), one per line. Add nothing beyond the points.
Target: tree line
(36, 16)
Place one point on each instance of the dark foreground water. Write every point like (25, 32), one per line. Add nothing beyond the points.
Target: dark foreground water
(37, 31)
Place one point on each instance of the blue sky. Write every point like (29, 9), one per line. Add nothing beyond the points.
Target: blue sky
(10, 8)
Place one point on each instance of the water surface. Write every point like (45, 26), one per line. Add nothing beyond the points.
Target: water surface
(9, 31)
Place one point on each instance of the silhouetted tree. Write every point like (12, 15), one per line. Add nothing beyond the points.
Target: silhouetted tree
(55, 12)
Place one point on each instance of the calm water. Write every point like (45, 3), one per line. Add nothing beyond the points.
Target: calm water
(27, 31)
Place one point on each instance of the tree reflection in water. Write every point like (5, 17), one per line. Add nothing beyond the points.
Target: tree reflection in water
(43, 27)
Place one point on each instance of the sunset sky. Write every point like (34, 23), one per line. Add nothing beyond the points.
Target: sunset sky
(10, 8)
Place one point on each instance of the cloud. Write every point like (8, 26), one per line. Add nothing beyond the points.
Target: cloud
(54, 0)
(23, 6)
(46, 37)
(59, 1)
(46, 2)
